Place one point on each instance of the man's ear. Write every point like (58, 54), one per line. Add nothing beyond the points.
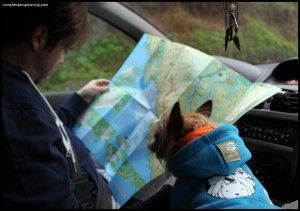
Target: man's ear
(39, 38)
(175, 123)
(205, 109)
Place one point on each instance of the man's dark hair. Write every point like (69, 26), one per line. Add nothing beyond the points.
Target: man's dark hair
(65, 22)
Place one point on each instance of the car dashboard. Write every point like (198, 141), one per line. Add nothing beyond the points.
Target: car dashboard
(270, 130)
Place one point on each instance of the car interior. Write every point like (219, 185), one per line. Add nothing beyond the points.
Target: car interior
(269, 129)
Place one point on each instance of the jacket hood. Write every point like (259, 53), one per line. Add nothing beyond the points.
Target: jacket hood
(218, 152)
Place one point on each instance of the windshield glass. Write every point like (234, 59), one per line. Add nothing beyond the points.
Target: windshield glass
(268, 31)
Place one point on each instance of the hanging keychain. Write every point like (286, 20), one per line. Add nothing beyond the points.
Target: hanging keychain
(231, 24)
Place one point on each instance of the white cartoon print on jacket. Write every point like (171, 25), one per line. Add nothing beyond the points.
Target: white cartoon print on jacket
(237, 184)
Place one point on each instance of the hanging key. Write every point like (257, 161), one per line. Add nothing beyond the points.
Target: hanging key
(231, 25)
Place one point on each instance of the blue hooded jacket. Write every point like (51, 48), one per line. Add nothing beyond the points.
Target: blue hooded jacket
(34, 169)
(212, 173)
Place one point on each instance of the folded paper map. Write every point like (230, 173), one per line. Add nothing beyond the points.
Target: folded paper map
(117, 127)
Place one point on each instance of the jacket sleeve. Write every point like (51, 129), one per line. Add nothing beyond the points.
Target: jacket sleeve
(70, 110)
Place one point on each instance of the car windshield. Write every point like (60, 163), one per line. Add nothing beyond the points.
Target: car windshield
(268, 31)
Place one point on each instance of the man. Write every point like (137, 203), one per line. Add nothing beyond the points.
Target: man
(42, 163)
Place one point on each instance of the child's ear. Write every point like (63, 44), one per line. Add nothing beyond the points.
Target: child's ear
(175, 123)
(205, 109)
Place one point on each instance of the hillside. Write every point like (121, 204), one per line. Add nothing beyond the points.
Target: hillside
(268, 32)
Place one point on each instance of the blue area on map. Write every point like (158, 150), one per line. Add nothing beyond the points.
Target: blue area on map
(124, 122)
(121, 188)
(139, 57)
(102, 111)
(150, 93)
(100, 157)
(92, 142)
(80, 130)
(139, 159)
(114, 141)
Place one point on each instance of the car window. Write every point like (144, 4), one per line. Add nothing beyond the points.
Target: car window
(268, 31)
(101, 54)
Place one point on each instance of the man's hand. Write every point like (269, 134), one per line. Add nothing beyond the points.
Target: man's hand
(92, 88)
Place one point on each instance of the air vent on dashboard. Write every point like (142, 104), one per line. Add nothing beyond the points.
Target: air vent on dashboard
(285, 101)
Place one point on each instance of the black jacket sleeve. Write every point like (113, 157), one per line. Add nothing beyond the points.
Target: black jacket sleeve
(70, 110)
